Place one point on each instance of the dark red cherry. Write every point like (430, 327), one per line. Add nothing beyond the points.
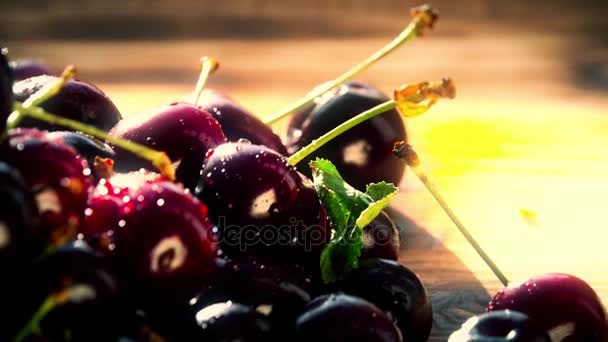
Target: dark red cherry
(561, 304)
(75, 294)
(59, 178)
(397, 291)
(363, 154)
(500, 326)
(6, 89)
(158, 233)
(237, 123)
(110, 200)
(231, 321)
(183, 131)
(340, 317)
(27, 68)
(279, 289)
(262, 204)
(77, 100)
(86, 146)
(20, 240)
(381, 239)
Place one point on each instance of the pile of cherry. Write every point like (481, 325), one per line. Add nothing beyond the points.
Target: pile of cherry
(96, 245)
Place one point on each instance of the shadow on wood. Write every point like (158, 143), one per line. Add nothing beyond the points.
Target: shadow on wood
(455, 293)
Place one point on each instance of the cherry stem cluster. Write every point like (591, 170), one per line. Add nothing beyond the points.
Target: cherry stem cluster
(424, 17)
(30, 108)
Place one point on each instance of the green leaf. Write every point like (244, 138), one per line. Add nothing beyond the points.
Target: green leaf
(326, 176)
(382, 193)
(349, 210)
(341, 256)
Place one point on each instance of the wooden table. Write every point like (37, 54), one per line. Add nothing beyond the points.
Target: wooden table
(520, 154)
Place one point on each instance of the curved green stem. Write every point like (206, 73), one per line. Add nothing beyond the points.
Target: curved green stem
(51, 90)
(159, 159)
(410, 100)
(40, 97)
(424, 17)
(407, 153)
(33, 326)
(345, 126)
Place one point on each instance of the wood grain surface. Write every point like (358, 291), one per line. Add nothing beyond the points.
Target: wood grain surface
(521, 154)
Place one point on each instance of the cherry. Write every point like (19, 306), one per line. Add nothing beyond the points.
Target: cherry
(27, 68)
(220, 321)
(105, 205)
(340, 317)
(279, 289)
(360, 154)
(229, 321)
(184, 131)
(499, 326)
(381, 239)
(87, 147)
(61, 190)
(71, 292)
(260, 281)
(237, 123)
(6, 89)
(19, 220)
(397, 291)
(158, 233)
(561, 304)
(261, 204)
(76, 100)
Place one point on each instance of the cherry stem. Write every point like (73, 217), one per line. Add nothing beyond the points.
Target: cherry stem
(159, 159)
(410, 100)
(407, 153)
(208, 66)
(33, 326)
(423, 18)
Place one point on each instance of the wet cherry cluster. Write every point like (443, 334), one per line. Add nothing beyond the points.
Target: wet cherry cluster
(97, 245)
(191, 222)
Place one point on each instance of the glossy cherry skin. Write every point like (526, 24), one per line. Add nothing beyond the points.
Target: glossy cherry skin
(279, 289)
(500, 326)
(261, 204)
(340, 317)
(238, 123)
(86, 146)
(27, 68)
(184, 131)
(397, 291)
(59, 178)
(77, 100)
(230, 321)
(88, 297)
(6, 89)
(556, 301)
(381, 239)
(363, 154)
(20, 240)
(158, 233)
